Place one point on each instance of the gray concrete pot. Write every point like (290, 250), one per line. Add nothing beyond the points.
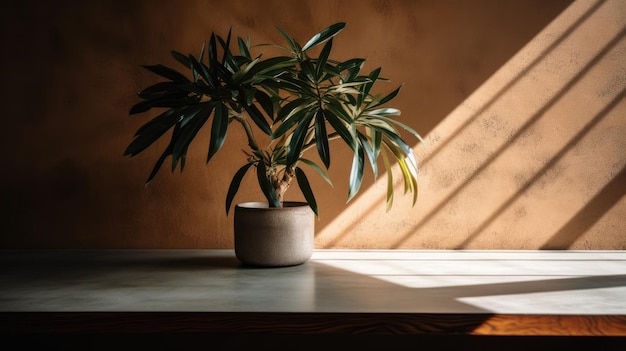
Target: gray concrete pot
(274, 237)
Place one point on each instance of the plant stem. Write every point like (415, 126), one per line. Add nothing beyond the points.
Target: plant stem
(246, 126)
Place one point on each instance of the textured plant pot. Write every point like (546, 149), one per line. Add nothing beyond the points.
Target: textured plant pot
(274, 237)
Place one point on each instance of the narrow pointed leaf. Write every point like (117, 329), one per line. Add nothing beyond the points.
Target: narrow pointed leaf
(304, 185)
(292, 107)
(227, 55)
(321, 138)
(318, 169)
(257, 118)
(219, 127)
(297, 141)
(212, 52)
(403, 126)
(324, 35)
(288, 123)
(165, 101)
(241, 74)
(369, 151)
(265, 102)
(372, 78)
(295, 47)
(377, 138)
(163, 121)
(409, 172)
(387, 98)
(276, 65)
(387, 111)
(321, 60)
(201, 69)
(356, 174)
(168, 73)
(146, 136)
(266, 185)
(183, 59)
(234, 185)
(159, 163)
(195, 121)
(341, 129)
(244, 49)
(170, 89)
(389, 181)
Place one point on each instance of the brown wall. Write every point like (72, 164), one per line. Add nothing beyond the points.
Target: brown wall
(521, 103)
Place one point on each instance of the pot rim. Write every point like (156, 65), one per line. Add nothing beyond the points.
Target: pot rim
(264, 205)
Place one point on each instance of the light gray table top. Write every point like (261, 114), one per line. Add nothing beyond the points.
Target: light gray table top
(389, 281)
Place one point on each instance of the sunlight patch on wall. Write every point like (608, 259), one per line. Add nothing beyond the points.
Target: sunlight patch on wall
(520, 157)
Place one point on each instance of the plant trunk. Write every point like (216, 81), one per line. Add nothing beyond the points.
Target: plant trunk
(281, 185)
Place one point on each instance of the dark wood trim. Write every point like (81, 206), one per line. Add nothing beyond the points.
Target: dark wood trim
(309, 323)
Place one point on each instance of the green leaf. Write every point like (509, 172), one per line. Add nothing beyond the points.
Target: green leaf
(352, 65)
(168, 73)
(266, 185)
(341, 129)
(293, 107)
(183, 59)
(356, 174)
(321, 138)
(239, 75)
(297, 140)
(234, 185)
(373, 76)
(295, 117)
(244, 48)
(159, 89)
(377, 138)
(388, 111)
(304, 185)
(387, 98)
(397, 140)
(227, 57)
(341, 110)
(257, 117)
(201, 69)
(153, 130)
(163, 121)
(323, 57)
(370, 153)
(275, 65)
(202, 51)
(389, 181)
(265, 102)
(318, 169)
(193, 123)
(212, 52)
(219, 127)
(324, 35)
(309, 70)
(295, 47)
(403, 126)
(164, 101)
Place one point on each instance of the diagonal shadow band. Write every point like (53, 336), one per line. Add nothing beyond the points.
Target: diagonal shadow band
(540, 57)
(519, 133)
(573, 141)
(536, 61)
(589, 215)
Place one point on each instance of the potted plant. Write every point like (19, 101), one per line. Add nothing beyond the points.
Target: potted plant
(301, 102)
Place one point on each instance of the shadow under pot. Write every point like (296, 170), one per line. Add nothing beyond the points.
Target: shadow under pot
(274, 237)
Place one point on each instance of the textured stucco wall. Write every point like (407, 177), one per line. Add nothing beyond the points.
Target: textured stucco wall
(521, 104)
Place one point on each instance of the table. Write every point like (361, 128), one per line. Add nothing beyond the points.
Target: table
(338, 292)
